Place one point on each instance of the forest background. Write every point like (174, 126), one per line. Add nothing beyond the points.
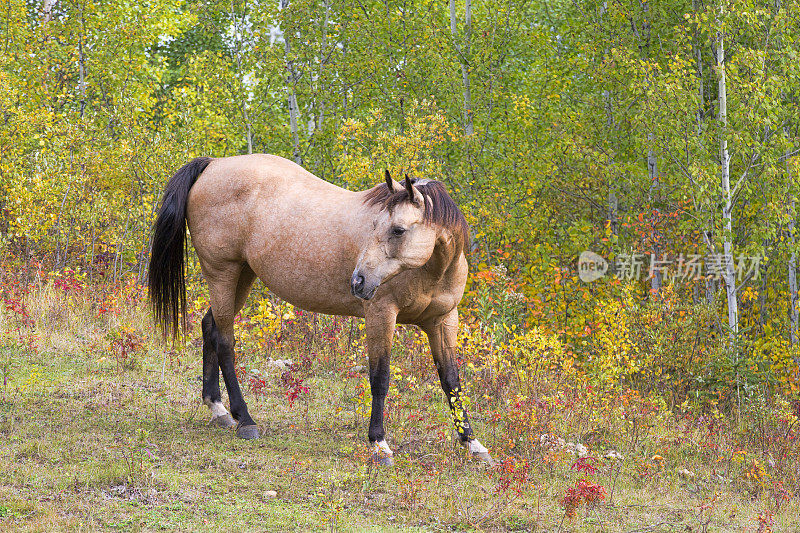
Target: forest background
(658, 133)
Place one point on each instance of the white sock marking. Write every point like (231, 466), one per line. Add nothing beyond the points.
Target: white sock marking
(474, 446)
(382, 447)
(217, 409)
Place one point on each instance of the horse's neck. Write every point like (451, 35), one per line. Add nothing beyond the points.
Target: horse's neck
(445, 253)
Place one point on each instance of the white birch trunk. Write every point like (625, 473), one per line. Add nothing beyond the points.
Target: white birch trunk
(81, 66)
(652, 173)
(291, 81)
(706, 232)
(613, 202)
(47, 10)
(243, 105)
(793, 312)
(463, 54)
(320, 102)
(652, 162)
(792, 282)
(322, 61)
(727, 215)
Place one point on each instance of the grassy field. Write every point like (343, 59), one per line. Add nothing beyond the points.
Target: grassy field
(104, 430)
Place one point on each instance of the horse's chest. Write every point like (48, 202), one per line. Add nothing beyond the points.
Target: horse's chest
(411, 301)
(417, 307)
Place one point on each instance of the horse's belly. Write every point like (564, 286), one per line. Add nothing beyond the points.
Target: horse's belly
(323, 303)
(305, 286)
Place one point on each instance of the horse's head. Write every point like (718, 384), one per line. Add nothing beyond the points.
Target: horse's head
(405, 232)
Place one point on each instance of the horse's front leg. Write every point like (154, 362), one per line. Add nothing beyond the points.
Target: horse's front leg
(379, 329)
(442, 334)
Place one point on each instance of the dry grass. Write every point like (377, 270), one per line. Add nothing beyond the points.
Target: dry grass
(97, 439)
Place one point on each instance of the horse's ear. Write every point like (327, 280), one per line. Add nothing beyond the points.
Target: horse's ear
(413, 194)
(389, 181)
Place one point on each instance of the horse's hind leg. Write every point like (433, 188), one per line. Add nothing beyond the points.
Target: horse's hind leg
(442, 332)
(228, 289)
(211, 393)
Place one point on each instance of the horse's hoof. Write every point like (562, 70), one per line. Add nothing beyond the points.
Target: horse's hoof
(247, 432)
(381, 459)
(478, 451)
(225, 421)
(485, 457)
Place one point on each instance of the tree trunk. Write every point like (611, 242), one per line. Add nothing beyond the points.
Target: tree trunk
(793, 312)
(652, 161)
(463, 58)
(793, 259)
(727, 211)
(613, 201)
(291, 82)
(47, 10)
(322, 62)
(82, 65)
(613, 205)
(710, 284)
(243, 105)
(792, 284)
(321, 89)
(652, 173)
(643, 37)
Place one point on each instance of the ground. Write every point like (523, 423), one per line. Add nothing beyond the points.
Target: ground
(105, 434)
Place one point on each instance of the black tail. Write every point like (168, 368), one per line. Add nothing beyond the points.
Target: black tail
(165, 275)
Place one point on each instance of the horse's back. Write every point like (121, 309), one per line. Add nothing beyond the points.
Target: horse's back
(255, 172)
(292, 228)
(234, 189)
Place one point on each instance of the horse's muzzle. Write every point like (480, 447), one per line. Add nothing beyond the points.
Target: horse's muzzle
(358, 287)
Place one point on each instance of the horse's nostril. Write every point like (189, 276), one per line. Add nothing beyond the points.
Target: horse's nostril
(356, 283)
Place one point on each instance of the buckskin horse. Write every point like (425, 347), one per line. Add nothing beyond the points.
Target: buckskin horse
(391, 254)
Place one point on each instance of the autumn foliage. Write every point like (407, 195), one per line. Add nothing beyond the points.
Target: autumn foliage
(560, 128)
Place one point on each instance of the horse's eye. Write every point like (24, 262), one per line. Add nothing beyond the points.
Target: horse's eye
(397, 231)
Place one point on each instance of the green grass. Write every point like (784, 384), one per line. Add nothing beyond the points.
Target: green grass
(88, 444)
(86, 447)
